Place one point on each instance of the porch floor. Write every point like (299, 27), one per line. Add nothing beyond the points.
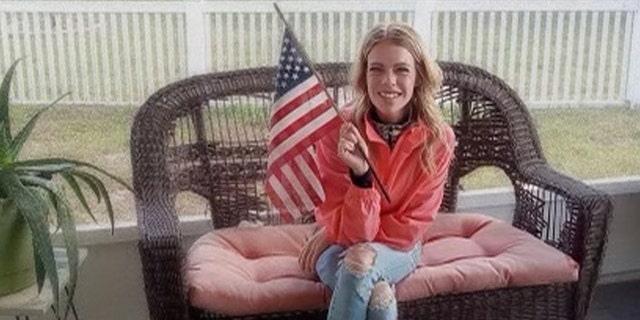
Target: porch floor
(617, 301)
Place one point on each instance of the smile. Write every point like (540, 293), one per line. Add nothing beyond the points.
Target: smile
(389, 95)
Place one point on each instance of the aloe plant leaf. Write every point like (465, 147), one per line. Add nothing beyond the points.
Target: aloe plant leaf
(23, 135)
(40, 271)
(71, 181)
(107, 199)
(67, 225)
(33, 163)
(34, 210)
(48, 168)
(4, 143)
(84, 176)
(4, 100)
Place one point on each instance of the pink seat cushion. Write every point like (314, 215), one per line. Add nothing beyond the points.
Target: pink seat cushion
(240, 271)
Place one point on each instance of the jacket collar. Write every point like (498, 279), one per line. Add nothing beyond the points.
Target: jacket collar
(412, 136)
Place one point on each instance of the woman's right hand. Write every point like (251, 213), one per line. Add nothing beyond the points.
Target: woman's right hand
(311, 251)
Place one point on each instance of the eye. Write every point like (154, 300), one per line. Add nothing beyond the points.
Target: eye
(375, 69)
(403, 70)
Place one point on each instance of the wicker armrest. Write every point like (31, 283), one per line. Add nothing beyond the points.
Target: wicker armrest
(162, 258)
(569, 215)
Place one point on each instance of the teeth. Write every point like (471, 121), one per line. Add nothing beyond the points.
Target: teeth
(389, 94)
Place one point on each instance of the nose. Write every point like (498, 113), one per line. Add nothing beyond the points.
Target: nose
(389, 78)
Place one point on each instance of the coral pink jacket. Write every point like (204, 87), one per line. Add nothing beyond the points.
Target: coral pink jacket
(351, 214)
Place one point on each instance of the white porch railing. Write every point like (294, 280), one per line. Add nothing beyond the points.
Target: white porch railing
(555, 53)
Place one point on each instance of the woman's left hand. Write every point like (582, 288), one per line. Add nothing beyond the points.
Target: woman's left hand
(311, 251)
(348, 150)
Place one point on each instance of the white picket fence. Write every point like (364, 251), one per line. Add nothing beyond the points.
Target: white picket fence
(554, 53)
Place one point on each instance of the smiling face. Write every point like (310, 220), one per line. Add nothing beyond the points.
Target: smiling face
(391, 79)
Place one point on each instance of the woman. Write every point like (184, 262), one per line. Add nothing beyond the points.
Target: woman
(364, 244)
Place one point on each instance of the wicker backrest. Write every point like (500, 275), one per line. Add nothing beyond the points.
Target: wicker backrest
(208, 134)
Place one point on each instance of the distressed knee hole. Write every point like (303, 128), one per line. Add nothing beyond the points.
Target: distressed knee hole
(381, 296)
(359, 259)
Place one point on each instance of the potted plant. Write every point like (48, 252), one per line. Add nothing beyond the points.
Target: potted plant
(33, 206)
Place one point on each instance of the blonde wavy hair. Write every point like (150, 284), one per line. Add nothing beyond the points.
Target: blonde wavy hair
(428, 82)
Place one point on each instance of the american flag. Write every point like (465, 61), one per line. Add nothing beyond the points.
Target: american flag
(301, 115)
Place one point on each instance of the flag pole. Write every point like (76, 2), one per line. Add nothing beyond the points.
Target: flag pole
(304, 55)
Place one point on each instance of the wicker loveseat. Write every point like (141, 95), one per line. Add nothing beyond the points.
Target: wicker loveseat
(207, 135)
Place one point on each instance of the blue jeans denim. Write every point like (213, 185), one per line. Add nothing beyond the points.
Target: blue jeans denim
(353, 286)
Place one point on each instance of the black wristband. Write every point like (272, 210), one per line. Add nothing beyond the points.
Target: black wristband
(362, 181)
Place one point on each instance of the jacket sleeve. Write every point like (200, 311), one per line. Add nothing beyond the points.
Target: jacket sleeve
(405, 227)
(350, 214)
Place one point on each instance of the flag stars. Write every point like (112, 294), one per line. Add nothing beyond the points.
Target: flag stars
(290, 58)
(288, 67)
(294, 76)
(299, 60)
(305, 69)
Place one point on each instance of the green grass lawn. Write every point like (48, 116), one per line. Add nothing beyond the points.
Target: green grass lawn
(585, 143)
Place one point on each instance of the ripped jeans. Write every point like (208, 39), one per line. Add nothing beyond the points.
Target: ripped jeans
(361, 277)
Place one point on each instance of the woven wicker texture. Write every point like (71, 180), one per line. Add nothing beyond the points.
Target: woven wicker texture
(207, 135)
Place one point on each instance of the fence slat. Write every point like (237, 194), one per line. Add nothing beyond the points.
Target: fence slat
(83, 56)
(457, 36)
(479, 52)
(30, 62)
(319, 35)
(533, 81)
(595, 18)
(252, 40)
(95, 63)
(352, 39)
(467, 36)
(331, 55)
(263, 40)
(219, 42)
(569, 57)
(446, 42)
(137, 48)
(116, 53)
(546, 60)
(159, 35)
(147, 45)
(604, 49)
(104, 55)
(490, 62)
(52, 84)
(60, 55)
(128, 63)
(513, 46)
(4, 40)
(523, 60)
(502, 44)
(181, 38)
(242, 53)
(615, 61)
(73, 59)
(342, 55)
(19, 82)
(580, 64)
(558, 53)
(435, 34)
(275, 41)
(39, 47)
(171, 47)
(626, 52)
